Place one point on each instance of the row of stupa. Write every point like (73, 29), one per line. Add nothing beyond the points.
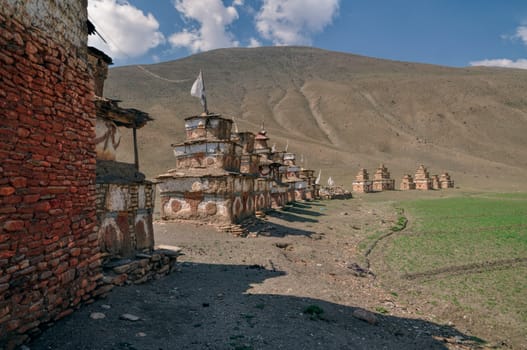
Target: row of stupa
(383, 182)
(224, 177)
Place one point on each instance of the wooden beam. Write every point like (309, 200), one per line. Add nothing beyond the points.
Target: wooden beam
(136, 153)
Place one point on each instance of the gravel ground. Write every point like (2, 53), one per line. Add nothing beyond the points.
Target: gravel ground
(291, 287)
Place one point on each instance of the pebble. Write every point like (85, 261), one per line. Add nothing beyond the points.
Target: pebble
(97, 315)
(140, 334)
(129, 317)
(106, 307)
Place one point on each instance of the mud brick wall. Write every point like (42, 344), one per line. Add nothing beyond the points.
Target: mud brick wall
(125, 212)
(49, 253)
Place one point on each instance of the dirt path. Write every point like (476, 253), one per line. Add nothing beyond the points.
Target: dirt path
(289, 288)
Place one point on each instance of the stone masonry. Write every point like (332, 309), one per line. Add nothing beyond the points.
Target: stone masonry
(49, 253)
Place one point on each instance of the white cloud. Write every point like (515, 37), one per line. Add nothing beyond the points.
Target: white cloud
(521, 63)
(293, 22)
(521, 33)
(126, 29)
(213, 19)
(502, 62)
(254, 43)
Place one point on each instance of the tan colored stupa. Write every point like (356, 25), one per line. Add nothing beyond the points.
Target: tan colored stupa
(382, 180)
(422, 179)
(445, 181)
(407, 183)
(362, 183)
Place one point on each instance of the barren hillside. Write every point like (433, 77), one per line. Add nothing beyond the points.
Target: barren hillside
(342, 112)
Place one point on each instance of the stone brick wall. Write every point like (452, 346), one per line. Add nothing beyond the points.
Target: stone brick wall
(49, 253)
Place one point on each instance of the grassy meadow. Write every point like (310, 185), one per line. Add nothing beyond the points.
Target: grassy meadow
(465, 258)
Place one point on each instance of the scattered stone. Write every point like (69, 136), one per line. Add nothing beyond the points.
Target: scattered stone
(126, 267)
(106, 306)
(282, 245)
(140, 334)
(129, 317)
(169, 250)
(365, 315)
(97, 315)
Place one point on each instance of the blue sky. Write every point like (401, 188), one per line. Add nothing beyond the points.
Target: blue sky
(445, 32)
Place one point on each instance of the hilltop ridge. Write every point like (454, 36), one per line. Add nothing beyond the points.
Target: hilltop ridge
(341, 111)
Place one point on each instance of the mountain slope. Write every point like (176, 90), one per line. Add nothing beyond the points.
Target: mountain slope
(342, 111)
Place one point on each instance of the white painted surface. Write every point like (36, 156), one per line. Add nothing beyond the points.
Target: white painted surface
(141, 197)
(118, 198)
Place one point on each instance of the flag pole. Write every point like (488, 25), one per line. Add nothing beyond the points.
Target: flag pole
(206, 110)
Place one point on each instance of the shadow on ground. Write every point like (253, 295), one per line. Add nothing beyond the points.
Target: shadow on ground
(205, 306)
(268, 229)
(296, 212)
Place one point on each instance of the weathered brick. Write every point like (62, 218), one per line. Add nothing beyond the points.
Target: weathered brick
(8, 60)
(43, 206)
(7, 209)
(7, 190)
(75, 251)
(23, 132)
(18, 182)
(14, 225)
(64, 313)
(67, 276)
(31, 198)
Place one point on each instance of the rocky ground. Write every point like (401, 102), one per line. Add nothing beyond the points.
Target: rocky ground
(298, 281)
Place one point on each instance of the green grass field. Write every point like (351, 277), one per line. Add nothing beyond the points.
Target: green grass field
(467, 254)
(460, 231)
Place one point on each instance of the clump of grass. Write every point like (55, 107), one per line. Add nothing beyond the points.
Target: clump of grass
(401, 221)
(314, 311)
(382, 310)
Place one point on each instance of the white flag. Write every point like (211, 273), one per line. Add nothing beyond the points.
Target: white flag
(235, 125)
(198, 90)
(317, 181)
(330, 182)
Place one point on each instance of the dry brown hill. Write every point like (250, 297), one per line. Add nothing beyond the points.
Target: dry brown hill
(342, 111)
